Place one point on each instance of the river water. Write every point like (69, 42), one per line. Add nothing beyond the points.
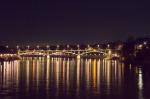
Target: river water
(65, 78)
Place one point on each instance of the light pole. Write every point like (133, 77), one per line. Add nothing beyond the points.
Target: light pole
(7, 46)
(17, 47)
(68, 46)
(78, 46)
(88, 47)
(58, 47)
(37, 46)
(47, 46)
(28, 47)
(108, 45)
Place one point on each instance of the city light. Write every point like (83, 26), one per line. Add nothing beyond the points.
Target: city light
(145, 43)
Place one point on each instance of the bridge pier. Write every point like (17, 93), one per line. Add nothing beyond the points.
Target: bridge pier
(78, 56)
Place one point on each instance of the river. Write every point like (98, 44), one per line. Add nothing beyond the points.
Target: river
(69, 78)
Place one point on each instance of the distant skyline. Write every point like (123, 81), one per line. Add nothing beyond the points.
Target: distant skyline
(73, 21)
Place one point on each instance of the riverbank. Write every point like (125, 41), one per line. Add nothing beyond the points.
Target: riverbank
(9, 58)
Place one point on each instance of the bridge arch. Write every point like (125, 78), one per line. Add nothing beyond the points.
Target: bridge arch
(93, 52)
(63, 52)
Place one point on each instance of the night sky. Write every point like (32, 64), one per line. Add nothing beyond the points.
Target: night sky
(73, 20)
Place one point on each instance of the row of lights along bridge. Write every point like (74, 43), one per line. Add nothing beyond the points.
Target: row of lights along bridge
(57, 47)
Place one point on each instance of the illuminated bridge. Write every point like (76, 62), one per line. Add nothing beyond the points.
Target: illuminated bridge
(69, 53)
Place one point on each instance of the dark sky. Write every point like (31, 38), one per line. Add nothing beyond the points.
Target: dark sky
(73, 20)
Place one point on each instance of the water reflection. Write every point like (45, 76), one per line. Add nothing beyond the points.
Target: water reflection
(70, 78)
(140, 83)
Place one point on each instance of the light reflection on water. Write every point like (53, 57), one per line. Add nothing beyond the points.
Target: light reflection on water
(69, 78)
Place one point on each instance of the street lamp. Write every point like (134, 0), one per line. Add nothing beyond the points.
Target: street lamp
(78, 46)
(108, 45)
(7, 46)
(17, 47)
(88, 46)
(58, 47)
(28, 47)
(47, 46)
(68, 46)
(37, 46)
